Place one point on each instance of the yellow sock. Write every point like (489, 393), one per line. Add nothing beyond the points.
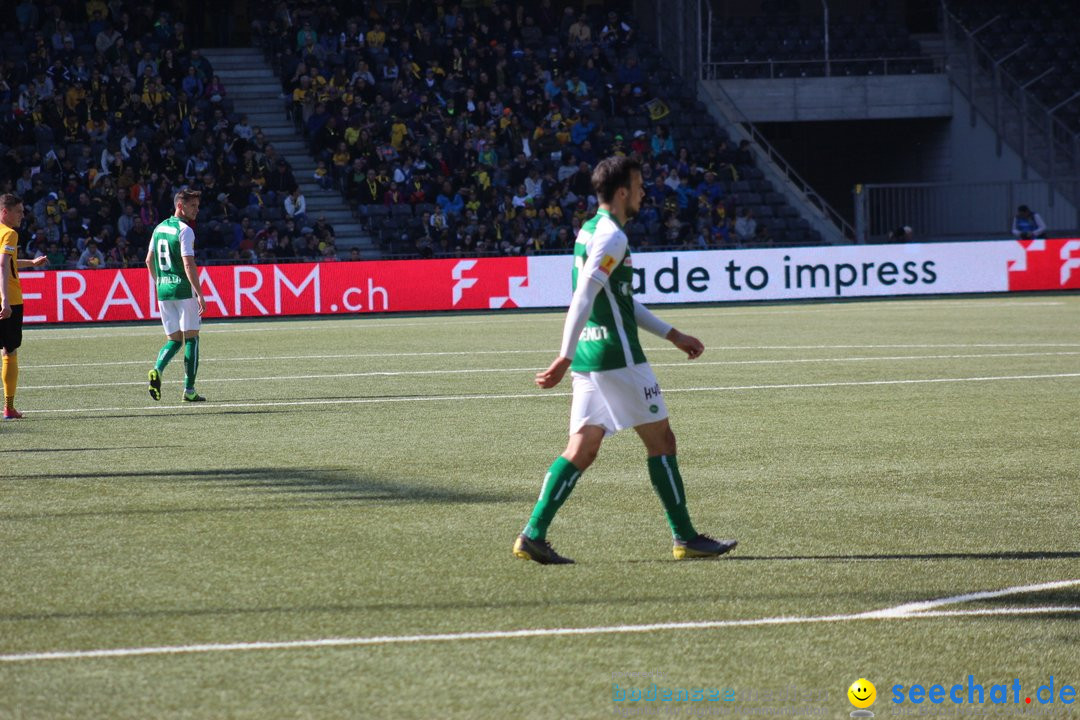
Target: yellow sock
(10, 374)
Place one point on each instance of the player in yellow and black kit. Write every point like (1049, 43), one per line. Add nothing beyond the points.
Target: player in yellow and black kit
(11, 301)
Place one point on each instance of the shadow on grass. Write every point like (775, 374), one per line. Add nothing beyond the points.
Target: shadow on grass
(999, 555)
(88, 449)
(447, 604)
(1066, 597)
(156, 512)
(542, 603)
(316, 486)
(159, 412)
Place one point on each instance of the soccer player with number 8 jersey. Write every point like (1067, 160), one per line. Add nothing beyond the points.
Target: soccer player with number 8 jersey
(171, 261)
(614, 387)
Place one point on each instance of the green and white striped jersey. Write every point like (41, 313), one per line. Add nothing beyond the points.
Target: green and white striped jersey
(172, 241)
(610, 338)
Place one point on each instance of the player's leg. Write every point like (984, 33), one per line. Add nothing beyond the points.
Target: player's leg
(561, 478)
(10, 340)
(11, 380)
(559, 481)
(174, 340)
(191, 366)
(589, 417)
(191, 322)
(666, 479)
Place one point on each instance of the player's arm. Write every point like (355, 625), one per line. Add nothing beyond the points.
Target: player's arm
(6, 251)
(192, 272)
(652, 324)
(576, 317)
(603, 258)
(36, 262)
(151, 263)
(187, 252)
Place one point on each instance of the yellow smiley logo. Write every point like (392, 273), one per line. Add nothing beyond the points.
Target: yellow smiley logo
(862, 693)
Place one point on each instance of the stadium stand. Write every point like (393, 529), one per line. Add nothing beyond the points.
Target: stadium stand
(504, 103)
(107, 108)
(1037, 44)
(780, 42)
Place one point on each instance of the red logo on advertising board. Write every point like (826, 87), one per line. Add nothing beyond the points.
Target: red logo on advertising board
(1046, 265)
(67, 296)
(487, 284)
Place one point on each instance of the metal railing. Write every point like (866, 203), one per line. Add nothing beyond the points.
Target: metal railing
(1016, 116)
(822, 67)
(973, 210)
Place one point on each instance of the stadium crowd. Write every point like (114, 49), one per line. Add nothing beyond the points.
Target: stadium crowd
(465, 131)
(107, 110)
(449, 131)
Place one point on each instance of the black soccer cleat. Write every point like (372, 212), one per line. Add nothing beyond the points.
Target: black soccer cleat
(538, 551)
(702, 546)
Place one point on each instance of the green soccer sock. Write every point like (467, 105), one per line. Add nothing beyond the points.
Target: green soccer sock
(191, 362)
(559, 481)
(170, 348)
(666, 480)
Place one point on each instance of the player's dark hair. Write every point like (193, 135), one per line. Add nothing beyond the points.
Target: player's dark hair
(9, 201)
(185, 195)
(611, 174)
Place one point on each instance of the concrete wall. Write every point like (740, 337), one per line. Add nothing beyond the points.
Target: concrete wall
(842, 98)
(974, 152)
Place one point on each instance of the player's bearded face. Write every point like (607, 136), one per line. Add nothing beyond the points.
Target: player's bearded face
(189, 209)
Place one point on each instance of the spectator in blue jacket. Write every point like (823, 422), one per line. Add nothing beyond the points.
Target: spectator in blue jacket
(192, 85)
(450, 202)
(711, 188)
(662, 142)
(581, 131)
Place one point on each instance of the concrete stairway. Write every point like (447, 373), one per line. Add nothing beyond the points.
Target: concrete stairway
(256, 92)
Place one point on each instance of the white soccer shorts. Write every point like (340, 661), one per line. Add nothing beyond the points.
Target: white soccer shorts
(177, 315)
(616, 399)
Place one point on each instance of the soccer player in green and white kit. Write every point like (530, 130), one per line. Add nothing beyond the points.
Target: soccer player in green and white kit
(171, 261)
(614, 387)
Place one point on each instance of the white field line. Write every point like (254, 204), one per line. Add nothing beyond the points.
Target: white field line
(543, 395)
(338, 356)
(556, 314)
(900, 612)
(918, 607)
(213, 326)
(548, 351)
(482, 371)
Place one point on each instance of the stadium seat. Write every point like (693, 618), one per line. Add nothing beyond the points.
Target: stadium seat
(374, 213)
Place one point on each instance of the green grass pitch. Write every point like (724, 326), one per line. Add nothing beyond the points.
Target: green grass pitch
(363, 479)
